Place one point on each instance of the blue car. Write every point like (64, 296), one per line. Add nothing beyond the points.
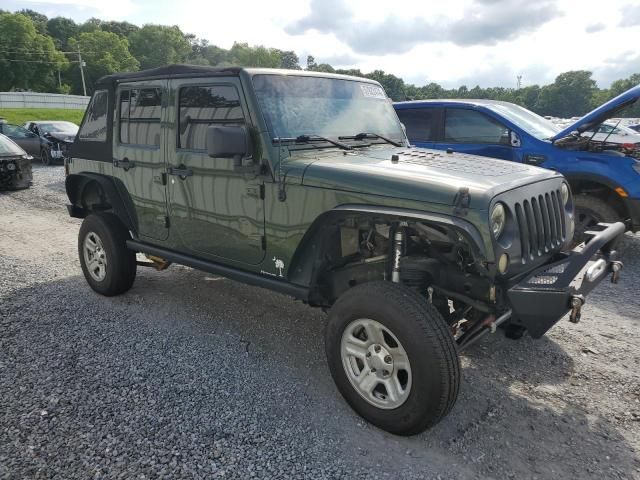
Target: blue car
(604, 176)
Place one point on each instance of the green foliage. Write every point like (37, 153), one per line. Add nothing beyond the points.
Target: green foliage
(18, 116)
(157, 45)
(104, 53)
(39, 20)
(61, 29)
(242, 55)
(28, 59)
(570, 95)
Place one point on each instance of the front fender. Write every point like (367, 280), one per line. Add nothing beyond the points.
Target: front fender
(305, 258)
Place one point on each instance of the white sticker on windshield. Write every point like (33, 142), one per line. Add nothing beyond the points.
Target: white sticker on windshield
(372, 91)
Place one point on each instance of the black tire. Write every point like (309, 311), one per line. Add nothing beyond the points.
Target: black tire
(589, 211)
(45, 156)
(429, 345)
(120, 266)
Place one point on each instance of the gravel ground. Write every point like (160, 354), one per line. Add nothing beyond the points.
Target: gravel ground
(193, 376)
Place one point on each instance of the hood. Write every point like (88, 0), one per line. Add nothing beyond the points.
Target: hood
(422, 175)
(602, 113)
(67, 137)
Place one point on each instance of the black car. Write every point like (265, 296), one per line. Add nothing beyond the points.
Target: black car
(15, 165)
(30, 142)
(56, 137)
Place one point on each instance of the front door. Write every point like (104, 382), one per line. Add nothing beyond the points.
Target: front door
(215, 211)
(29, 141)
(423, 125)
(476, 133)
(139, 153)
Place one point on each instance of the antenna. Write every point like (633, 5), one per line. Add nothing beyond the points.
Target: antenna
(519, 81)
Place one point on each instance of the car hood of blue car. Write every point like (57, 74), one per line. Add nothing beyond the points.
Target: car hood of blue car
(602, 113)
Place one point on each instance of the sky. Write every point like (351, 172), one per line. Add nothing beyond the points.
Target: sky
(452, 42)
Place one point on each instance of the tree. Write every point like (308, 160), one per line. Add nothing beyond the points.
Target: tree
(570, 95)
(39, 20)
(393, 85)
(104, 53)
(243, 55)
(311, 62)
(61, 29)
(124, 29)
(28, 60)
(289, 60)
(157, 45)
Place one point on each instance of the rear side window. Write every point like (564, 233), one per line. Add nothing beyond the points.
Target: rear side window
(201, 106)
(94, 127)
(140, 116)
(421, 123)
(469, 126)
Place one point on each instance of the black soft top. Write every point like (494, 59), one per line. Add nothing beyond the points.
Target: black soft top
(166, 71)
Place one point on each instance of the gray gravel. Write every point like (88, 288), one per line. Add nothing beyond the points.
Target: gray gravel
(194, 376)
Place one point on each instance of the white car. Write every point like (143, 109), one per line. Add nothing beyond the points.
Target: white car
(614, 134)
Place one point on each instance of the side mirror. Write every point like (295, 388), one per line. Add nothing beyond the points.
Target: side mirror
(228, 142)
(514, 139)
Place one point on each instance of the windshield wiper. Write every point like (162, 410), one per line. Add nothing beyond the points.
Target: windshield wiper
(313, 138)
(365, 135)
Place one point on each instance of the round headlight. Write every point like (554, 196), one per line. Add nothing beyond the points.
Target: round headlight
(498, 219)
(564, 190)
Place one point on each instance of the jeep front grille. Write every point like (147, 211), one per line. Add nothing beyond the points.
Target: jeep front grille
(542, 224)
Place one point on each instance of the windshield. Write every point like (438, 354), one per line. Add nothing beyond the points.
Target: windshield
(7, 147)
(530, 122)
(56, 127)
(298, 105)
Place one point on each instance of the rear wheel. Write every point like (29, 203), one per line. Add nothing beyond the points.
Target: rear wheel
(392, 357)
(590, 211)
(108, 265)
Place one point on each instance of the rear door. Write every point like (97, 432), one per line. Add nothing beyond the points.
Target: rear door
(471, 131)
(216, 211)
(424, 125)
(139, 150)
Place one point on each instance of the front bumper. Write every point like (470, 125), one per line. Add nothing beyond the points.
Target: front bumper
(548, 293)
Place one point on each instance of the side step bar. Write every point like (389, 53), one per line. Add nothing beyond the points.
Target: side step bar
(280, 286)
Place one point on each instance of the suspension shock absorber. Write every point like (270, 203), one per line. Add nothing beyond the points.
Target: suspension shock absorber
(398, 247)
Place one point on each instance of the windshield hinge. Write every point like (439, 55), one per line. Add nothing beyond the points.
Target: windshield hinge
(462, 201)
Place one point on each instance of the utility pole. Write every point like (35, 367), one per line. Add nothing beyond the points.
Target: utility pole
(82, 65)
(519, 81)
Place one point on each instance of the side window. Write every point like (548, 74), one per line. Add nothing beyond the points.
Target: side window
(15, 131)
(94, 127)
(201, 106)
(469, 126)
(140, 116)
(421, 124)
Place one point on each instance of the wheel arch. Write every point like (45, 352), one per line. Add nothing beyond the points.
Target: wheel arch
(600, 187)
(307, 256)
(111, 193)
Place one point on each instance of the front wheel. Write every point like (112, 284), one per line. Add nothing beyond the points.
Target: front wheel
(392, 357)
(45, 156)
(108, 265)
(590, 211)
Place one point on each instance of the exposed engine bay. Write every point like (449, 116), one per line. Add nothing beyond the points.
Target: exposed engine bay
(434, 260)
(585, 143)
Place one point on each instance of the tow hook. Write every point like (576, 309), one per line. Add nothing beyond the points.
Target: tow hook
(616, 266)
(576, 305)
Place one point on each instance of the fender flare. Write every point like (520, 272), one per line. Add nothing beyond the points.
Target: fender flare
(305, 257)
(119, 201)
(590, 177)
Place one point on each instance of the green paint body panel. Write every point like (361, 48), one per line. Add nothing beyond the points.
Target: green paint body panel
(218, 214)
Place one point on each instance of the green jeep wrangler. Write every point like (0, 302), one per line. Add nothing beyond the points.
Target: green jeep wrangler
(304, 183)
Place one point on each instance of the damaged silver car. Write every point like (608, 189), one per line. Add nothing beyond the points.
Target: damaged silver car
(15, 166)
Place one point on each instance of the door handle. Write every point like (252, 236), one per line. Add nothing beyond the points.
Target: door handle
(124, 164)
(182, 171)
